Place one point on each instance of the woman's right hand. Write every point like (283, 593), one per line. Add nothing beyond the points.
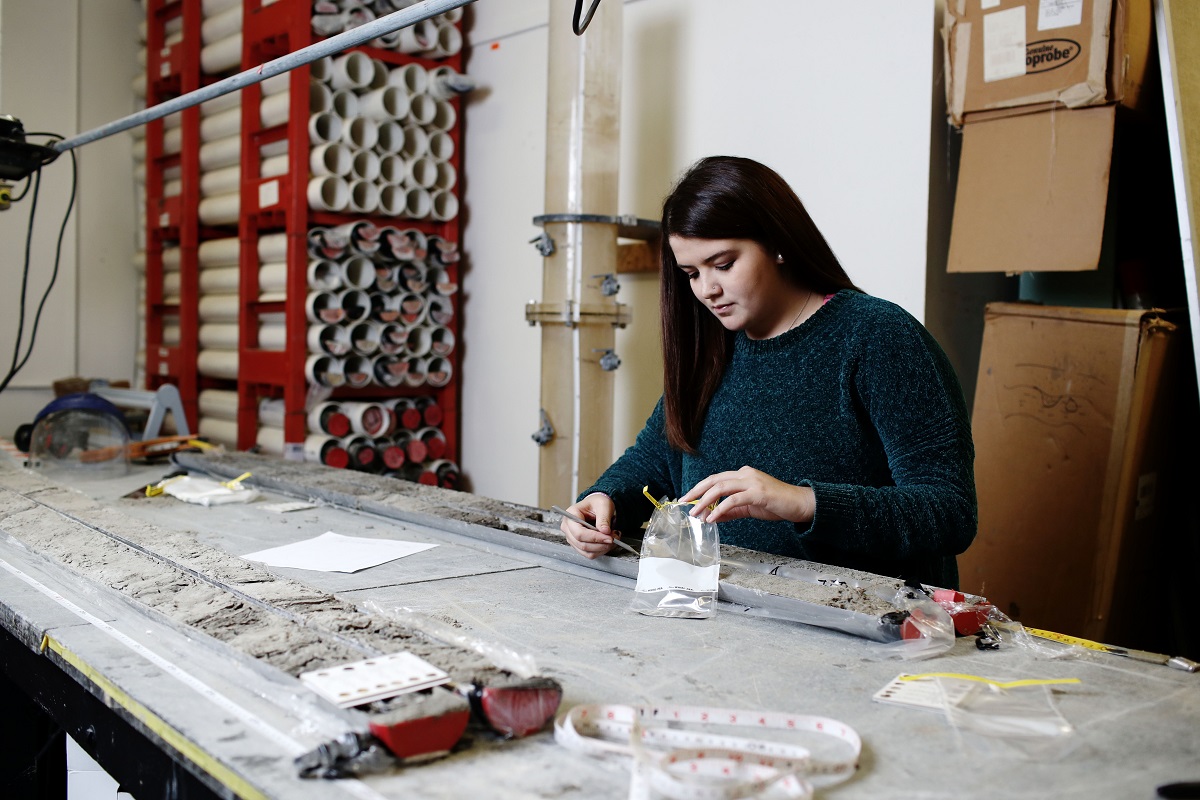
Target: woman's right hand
(600, 510)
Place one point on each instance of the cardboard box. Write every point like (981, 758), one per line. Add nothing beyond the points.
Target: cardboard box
(1002, 54)
(1032, 192)
(1074, 415)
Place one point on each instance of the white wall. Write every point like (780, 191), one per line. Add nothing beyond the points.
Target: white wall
(835, 96)
(56, 79)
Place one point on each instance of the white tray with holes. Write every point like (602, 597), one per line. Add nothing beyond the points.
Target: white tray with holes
(371, 679)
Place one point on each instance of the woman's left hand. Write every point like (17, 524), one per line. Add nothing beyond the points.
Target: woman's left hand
(750, 493)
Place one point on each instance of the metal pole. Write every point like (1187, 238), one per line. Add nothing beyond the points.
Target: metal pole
(334, 44)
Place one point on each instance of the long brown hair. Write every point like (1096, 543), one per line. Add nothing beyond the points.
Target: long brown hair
(725, 197)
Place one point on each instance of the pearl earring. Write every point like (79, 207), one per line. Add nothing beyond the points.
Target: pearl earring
(779, 258)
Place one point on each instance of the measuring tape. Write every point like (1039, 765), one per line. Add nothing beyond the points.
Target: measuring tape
(1065, 639)
(687, 764)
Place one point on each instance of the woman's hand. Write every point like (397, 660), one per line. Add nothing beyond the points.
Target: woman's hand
(750, 493)
(600, 509)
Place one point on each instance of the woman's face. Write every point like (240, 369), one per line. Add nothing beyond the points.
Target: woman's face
(740, 283)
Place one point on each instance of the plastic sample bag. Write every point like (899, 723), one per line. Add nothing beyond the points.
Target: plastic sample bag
(680, 565)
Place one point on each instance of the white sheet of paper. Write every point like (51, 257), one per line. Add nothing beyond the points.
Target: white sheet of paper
(333, 552)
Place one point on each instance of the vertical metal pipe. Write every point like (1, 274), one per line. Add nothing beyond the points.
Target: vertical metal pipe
(582, 154)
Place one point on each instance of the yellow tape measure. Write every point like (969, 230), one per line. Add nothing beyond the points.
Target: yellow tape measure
(1065, 639)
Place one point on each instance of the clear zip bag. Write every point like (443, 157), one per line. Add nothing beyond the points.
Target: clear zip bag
(680, 564)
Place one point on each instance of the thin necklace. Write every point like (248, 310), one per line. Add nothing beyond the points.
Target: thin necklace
(802, 310)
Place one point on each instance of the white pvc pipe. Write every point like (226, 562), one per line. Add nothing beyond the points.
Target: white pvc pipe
(220, 181)
(172, 188)
(391, 169)
(323, 307)
(222, 209)
(221, 25)
(218, 403)
(321, 69)
(219, 104)
(442, 282)
(221, 125)
(357, 370)
(219, 308)
(440, 310)
(418, 38)
(364, 197)
(221, 55)
(444, 116)
(365, 165)
(171, 257)
(414, 276)
(272, 412)
(445, 205)
(417, 202)
(388, 370)
(352, 70)
(328, 418)
(419, 341)
(358, 272)
(391, 137)
(422, 109)
(274, 166)
(333, 340)
(325, 450)
(218, 431)
(441, 146)
(210, 8)
(324, 127)
(368, 418)
(218, 252)
(413, 77)
(439, 371)
(442, 340)
(219, 335)
(449, 42)
(364, 337)
(328, 193)
(416, 141)
(447, 176)
(379, 75)
(415, 374)
(325, 371)
(273, 110)
(324, 274)
(218, 363)
(387, 103)
(171, 283)
(220, 152)
(272, 247)
(219, 279)
(272, 277)
(270, 440)
(392, 199)
(420, 171)
(272, 336)
(360, 133)
(331, 158)
(412, 309)
(355, 303)
(278, 84)
(387, 278)
(392, 338)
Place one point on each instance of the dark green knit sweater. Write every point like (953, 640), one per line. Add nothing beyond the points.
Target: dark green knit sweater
(860, 403)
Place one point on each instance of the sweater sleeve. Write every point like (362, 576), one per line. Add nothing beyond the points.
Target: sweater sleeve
(907, 390)
(649, 461)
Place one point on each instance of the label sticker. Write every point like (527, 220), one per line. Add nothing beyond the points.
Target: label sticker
(268, 194)
(1059, 14)
(923, 693)
(671, 574)
(1004, 44)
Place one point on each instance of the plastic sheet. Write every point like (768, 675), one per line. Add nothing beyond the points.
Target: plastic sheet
(1017, 718)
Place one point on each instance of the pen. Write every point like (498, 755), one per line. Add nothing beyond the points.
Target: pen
(587, 524)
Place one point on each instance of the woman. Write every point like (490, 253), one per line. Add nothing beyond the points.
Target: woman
(822, 423)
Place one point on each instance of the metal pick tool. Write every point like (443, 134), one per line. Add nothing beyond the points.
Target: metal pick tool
(589, 525)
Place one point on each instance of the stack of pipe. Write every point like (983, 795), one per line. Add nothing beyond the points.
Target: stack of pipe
(438, 37)
(380, 307)
(379, 134)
